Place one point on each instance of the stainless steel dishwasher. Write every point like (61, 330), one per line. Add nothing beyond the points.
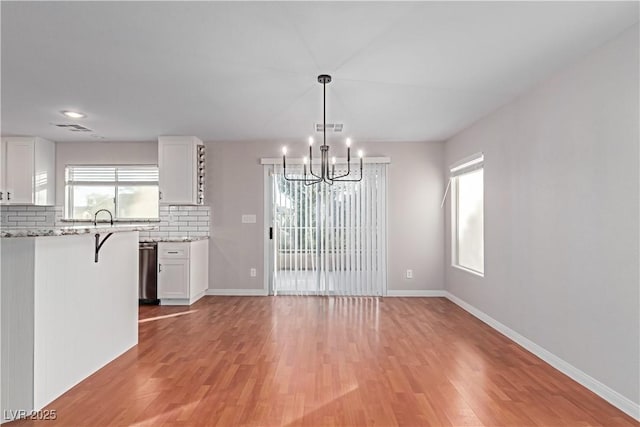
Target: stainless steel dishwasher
(148, 277)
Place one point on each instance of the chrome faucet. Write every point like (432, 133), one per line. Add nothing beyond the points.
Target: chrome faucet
(95, 217)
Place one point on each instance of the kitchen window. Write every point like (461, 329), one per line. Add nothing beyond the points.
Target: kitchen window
(129, 192)
(467, 184)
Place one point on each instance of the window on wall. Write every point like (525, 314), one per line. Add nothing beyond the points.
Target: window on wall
(467, 181)
(129, 192)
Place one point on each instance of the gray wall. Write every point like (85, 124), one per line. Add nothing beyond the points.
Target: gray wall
(415, 221)
(561, 215)
(235, 186)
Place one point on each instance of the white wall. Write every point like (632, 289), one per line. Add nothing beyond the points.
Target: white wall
(91, 153)
(561, 215)
(415, 221)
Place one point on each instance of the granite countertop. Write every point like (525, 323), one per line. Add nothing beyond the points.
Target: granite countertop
(172, 239)
(71, 231)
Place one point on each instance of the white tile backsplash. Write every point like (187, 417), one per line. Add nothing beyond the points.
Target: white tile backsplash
(181, 221)
(29, 216)
(188, 221)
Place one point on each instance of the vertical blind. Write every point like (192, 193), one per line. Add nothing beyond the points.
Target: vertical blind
(330, 239)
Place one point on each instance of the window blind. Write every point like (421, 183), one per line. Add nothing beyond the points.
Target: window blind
(111, 174)
(84, 174)
(330, 239)
(467, 165)
(137, 174)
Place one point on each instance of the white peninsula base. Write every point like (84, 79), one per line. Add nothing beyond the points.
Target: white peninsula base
(64, 316)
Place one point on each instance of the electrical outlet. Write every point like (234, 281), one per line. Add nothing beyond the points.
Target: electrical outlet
(409, 274)
(252, 272)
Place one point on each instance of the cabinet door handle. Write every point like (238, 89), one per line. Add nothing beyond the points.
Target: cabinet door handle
(172, 252)
(159, 268)
(1, 195)
(160, 195)
(8, 195)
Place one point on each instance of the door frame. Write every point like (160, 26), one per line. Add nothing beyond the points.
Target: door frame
(268, 223)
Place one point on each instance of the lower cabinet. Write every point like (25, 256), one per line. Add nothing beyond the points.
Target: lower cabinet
(183, 271)
(173, 278)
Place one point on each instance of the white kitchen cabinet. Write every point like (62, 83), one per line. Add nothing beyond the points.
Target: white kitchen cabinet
(183, 271)
(173, 278)
(28, 171)
(181, 166)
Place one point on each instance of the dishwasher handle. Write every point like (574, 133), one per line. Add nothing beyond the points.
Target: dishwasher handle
(148, 273)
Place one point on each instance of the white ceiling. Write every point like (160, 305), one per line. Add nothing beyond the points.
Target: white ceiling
(247, 71)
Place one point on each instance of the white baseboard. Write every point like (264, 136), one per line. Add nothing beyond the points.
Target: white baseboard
(196, 297)
(175, 301)
(621, 402)
(262, 292)
(238, 292)
(182, 301)
(417, 293)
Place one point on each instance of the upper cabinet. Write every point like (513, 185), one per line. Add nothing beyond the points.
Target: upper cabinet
(181, 162)
(27, 171)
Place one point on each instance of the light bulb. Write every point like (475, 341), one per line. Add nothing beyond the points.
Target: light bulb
(310, 140)
(74, 114)
(284, 151)
(360, 153)
(348, 142)
(333, 160)
(304, 160)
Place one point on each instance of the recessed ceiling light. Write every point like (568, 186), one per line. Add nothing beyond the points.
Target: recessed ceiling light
(74, 114)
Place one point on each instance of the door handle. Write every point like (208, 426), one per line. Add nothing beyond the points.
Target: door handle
(8, 195)
(160, 194)
(172, 252)
(159, 268)
(270, 233)
(1, 195)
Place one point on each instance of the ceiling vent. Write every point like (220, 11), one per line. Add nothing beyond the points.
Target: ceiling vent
(331, 127)
(74, 128)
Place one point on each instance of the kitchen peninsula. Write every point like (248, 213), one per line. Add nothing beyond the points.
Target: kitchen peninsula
(70, 309)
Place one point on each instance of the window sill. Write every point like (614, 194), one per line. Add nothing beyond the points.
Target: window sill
(468, 270)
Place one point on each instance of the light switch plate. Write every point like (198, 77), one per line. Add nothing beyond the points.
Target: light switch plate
(248, 219)
(252, 272)
(409, 274)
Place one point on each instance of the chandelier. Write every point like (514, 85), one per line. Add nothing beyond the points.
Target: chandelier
(326, 174)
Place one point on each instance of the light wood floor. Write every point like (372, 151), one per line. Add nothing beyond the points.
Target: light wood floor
(314, 361)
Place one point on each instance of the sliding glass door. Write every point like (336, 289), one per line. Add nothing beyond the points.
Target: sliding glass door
(329, 239)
